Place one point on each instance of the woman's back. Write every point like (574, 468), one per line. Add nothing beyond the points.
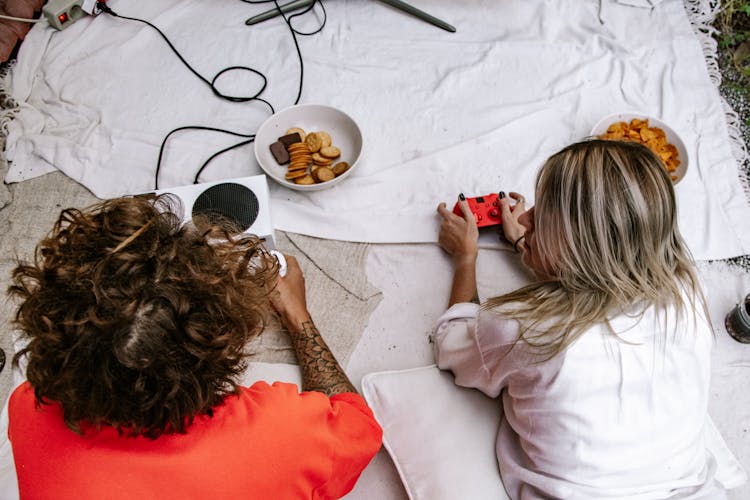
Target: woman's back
(606, 418)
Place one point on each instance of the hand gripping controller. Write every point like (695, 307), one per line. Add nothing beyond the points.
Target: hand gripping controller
(486, 210)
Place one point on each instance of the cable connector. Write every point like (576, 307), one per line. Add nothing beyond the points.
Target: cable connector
(103, 7)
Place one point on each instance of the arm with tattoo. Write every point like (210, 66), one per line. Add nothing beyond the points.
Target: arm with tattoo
(320, 370)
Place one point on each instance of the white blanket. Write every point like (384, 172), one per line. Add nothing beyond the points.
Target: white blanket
(474, 111)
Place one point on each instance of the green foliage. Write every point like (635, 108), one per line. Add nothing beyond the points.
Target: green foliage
(733, 24)
(729, 40)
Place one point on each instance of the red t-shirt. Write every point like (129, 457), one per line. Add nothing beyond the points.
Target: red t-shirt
(268, 442)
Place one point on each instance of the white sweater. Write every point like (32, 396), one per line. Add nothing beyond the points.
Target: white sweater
(607, 418)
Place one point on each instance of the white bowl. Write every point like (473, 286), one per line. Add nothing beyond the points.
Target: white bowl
(344, 132)
(672, 136)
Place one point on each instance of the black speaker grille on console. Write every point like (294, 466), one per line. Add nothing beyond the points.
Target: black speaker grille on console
(230, 201)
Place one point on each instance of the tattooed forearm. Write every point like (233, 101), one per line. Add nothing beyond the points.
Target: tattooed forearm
(320, 370)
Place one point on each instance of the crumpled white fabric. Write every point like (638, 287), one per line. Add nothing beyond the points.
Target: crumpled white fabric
(474, 111)
(640, 3)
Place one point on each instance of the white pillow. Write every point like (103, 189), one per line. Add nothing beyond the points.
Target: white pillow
(441, 437)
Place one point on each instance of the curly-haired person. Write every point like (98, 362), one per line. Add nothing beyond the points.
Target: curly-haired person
(137, 328)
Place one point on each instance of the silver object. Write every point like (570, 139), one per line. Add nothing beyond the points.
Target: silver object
(287, 7)
(737, 321)
(299, 4)
(424, 16)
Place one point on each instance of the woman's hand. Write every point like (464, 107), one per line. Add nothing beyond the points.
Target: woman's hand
(459, 235)
(512, 229)
(459, 238)
(289, 298)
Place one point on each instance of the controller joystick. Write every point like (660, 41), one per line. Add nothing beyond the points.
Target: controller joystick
(486, 210)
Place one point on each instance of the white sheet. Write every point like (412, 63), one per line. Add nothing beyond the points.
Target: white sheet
(474, 111)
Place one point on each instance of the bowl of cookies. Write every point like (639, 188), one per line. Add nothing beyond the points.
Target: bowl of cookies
(308, 147)
(653, 133)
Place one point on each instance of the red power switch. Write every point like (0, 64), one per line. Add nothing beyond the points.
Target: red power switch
(63, 18)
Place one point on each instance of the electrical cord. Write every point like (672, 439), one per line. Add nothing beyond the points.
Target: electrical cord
(22, 19)
(295, 32)
(211, 83)
(249, 138)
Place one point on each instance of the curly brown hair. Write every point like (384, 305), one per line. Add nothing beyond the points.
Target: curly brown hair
(136, 320)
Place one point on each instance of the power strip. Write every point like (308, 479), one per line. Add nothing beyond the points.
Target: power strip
(62, 13)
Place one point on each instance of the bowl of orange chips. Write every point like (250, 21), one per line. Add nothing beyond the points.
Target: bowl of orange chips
(651, 132)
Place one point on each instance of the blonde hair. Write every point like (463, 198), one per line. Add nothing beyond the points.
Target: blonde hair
(606, 223)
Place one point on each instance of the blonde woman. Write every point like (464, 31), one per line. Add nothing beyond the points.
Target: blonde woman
(603, 361)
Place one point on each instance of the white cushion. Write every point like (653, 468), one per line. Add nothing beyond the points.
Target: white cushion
(441, 437)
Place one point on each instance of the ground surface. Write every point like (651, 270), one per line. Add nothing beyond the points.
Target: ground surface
(736, 90)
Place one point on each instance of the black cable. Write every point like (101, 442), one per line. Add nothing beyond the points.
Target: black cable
(295, 32)
(212, 83)
(251, 138)
(305, 11)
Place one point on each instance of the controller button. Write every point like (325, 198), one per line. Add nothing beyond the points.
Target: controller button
(478, 216)
(494, 212)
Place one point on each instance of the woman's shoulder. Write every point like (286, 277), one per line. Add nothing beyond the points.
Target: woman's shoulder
(22, 398)
(508, 341)
(495, 327)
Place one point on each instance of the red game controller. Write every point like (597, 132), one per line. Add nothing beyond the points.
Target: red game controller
(486, 210)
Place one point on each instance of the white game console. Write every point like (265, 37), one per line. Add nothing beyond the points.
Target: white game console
(243, 200)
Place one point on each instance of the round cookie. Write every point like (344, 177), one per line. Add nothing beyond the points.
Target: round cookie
(330, 151)
(313, 141)
(321, 160)
(295, 174)
(299, 166)
(340, 168)
(300, 158)
(323, 174)
(306, 180)
(325, 138)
